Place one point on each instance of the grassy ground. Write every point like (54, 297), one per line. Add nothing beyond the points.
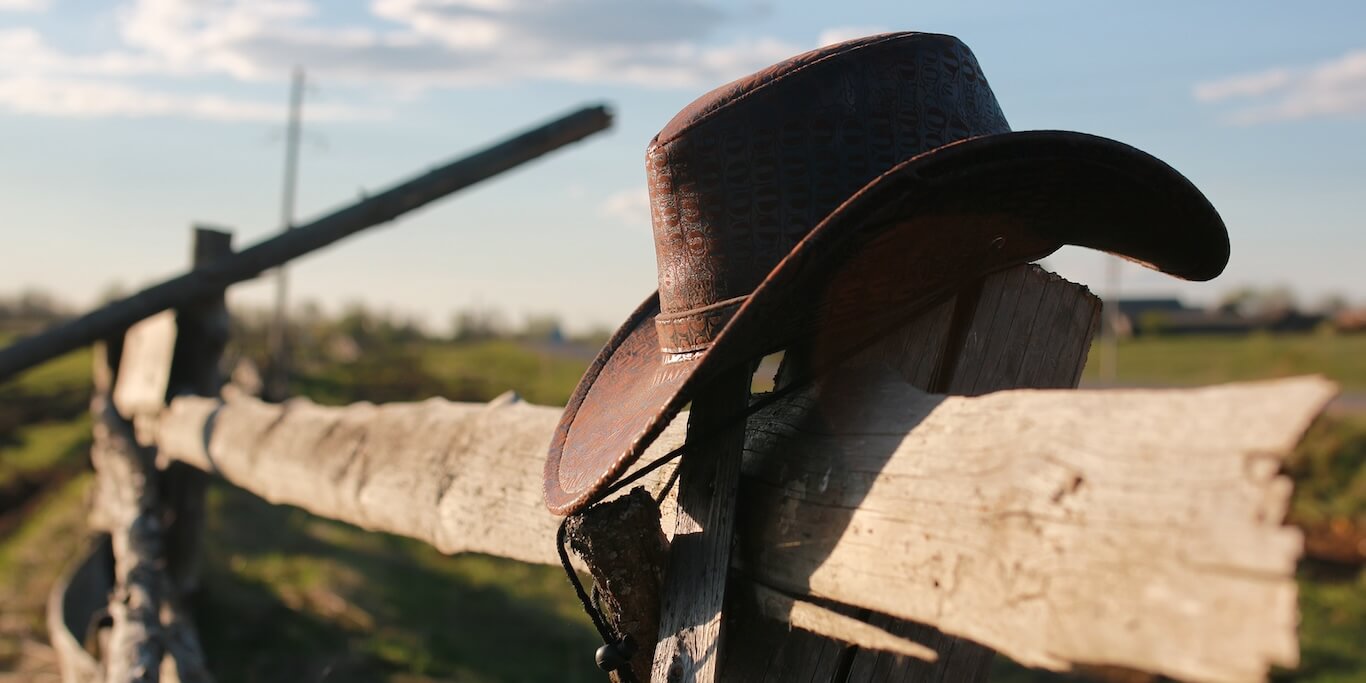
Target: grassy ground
(31, 555)
(289, 596)
(1330, 472)
(293, 597)
(460, 372)
(1209, 360)
(39, 449)
(542, 376)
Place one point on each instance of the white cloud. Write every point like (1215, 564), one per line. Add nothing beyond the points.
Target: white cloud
(1333, 88)
(1248, 85)
(629, 207)
(404, 47)
(23, 52)
(839, 34)
(90, 99)
(24, 5)
(36, 79)
(419, 44)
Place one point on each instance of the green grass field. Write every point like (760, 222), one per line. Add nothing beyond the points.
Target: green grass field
(290, 596)
(490, 368)
(460, 372)
(44, 447)
(1210, 360)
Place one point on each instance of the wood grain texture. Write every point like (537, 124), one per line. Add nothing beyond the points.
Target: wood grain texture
(689, 645)
(1022, 327)
(464, 477)
(816, 619)
(126, 506)
(202, 333)
(1139, 528)
(145, 367)
(626, 552)
(151, 637)
(916, 352)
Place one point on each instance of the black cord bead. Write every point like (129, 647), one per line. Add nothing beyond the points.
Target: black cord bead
(613, 656)
(610, 658)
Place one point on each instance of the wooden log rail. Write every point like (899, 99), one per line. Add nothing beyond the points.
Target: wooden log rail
(1016, 519)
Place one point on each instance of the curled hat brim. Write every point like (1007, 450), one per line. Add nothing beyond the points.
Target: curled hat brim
(906, 240)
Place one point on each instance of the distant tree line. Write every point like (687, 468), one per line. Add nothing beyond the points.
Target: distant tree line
(31, 306)
(365, 325)
(1239, 311)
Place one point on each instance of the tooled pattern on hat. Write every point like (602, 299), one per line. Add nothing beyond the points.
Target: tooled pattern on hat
(740, 185)
(693, 330)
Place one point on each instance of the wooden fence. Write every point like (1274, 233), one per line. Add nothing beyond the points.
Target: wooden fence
(880, 531)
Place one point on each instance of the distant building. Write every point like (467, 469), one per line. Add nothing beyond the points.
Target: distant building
(1132, 313)
(1350, 320)
(1140, 317)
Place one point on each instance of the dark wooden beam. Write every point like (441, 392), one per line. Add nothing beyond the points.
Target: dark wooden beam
(252, 261)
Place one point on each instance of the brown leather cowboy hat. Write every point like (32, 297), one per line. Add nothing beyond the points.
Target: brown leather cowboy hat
(829, 197)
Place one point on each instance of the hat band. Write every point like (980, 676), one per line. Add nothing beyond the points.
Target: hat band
(694, 329)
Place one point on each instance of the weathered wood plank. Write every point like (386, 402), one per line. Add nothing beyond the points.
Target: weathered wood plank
(1024, 327)
(916, 352)
(145, 368)
(202, 334)
(126, 506)
(624, 547)
(1047, 537)
(1132, 528)
(150, 638)
(184, 661)
(813, 618)
(463, 477)
(779, 652)
(203, 329)
(78, 596)
(694, 594)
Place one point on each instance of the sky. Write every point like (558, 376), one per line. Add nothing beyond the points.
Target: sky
(124, 123)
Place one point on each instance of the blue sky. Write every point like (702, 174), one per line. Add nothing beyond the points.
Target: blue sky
(121, 123)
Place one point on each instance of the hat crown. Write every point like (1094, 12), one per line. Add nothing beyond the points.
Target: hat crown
(746, 171)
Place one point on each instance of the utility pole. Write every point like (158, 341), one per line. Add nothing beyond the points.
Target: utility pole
(277, 387)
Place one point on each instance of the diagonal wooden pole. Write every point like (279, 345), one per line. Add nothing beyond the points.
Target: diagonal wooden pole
(117, 316)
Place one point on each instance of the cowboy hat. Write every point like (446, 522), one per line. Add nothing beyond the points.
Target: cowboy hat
(827, 198)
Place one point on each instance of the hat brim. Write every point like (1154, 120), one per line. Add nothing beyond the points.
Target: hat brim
(908, 239)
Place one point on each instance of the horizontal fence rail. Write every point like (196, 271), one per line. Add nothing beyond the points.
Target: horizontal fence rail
(389, 204)
(1015, 519)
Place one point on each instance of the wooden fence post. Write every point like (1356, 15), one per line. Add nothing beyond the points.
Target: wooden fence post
(155, 517)
(126, 506)
(202, 332)
(694, 589)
